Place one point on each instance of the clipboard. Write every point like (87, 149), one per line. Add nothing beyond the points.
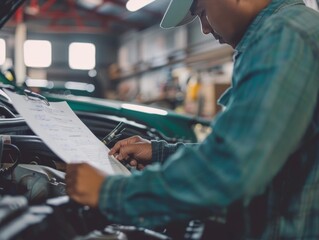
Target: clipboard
(64, 133)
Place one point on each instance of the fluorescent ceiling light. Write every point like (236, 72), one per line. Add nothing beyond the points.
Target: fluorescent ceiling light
(134, 5)
(144, 109)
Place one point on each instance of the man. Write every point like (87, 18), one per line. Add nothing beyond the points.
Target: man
(261, 162)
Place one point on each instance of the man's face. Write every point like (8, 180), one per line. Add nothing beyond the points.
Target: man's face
(202, 9)
(227, 20)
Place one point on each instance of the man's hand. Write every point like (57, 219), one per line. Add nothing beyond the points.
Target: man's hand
(83, 183)
(136, 150)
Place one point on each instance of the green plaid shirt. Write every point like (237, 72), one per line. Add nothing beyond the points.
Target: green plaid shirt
(262, 146)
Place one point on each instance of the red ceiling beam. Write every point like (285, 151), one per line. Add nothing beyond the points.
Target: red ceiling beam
(47, 5)
(75, 29)
(69, 11)
(94, 13)
(46, 11)
(74, 13)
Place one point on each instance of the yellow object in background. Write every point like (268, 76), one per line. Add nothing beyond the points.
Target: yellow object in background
(193, 89)
(9, 76)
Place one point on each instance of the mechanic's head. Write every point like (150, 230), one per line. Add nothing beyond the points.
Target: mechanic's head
(227, 20)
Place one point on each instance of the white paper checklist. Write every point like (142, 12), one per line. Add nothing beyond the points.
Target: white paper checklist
(65, 134)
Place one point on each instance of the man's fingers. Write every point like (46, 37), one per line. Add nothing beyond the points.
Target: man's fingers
(75, 190)
(71, 168)
(123, 143)
(126, 152)
(70, 173)
(140, 166)
(118, 146)
(133, 163)
(80, 198)
(119, 153)
(115, 148)
(73, 177)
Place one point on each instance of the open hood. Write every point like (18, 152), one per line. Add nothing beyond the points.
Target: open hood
(7, 9)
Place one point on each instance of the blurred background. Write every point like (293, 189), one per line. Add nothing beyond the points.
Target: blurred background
(101, 49)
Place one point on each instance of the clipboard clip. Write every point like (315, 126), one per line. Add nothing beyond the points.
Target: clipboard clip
(35, 96)
(115, 134)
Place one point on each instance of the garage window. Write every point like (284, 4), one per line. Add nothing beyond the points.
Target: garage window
(2, 51)
(37, 53)
(82, 56)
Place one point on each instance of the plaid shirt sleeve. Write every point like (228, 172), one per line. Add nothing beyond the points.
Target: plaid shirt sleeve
(161, 150)
(264, 122)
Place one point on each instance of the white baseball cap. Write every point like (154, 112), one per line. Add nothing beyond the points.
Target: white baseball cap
(177, 14)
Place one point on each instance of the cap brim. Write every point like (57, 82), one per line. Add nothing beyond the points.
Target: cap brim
(177, 14)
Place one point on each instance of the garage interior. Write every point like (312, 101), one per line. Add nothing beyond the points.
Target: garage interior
(122, 75)
(135, 60)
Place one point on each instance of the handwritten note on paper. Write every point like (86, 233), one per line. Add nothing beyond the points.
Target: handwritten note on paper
(65, 134)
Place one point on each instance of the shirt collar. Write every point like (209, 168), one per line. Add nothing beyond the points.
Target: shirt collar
(273, 7)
